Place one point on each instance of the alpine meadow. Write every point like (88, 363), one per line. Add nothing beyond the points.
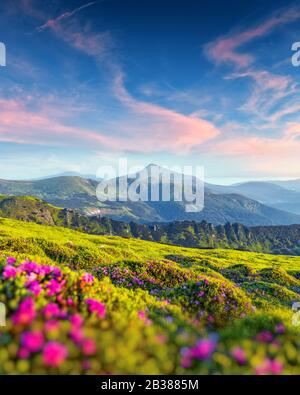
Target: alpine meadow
(149, 193)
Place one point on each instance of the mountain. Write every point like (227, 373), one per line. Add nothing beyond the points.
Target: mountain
(68, 174)
(221, 206)
(73, 192)
(267, 193)
(293, 185)
(276, 240)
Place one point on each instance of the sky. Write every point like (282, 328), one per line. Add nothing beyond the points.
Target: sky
(172, 82)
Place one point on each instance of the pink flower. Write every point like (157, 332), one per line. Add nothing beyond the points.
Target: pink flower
(54, 287)
(239, 355)
(76, 320)
(87, 278)
(54, 354)
(142, 315)
(9, 271)
(76, 335)
(186, 360)
(70, 302)
(96, 306)
(269, 366)
(276, 367)
(29, 267)
(280, 328)
(56, 271)
(265, 337)
(201, 293)
(203, 349)
(51, 326)
(34, 287)
(32, 341)
(263, 368)
(23, 353)
(11, 260)
(51, 310)
(25, 313)
(88, 347)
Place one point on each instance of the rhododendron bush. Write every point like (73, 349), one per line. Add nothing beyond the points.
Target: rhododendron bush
(146, 318)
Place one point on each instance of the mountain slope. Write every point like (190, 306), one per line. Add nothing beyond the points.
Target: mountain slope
(220, 207)
(277, 239)
(267, 193)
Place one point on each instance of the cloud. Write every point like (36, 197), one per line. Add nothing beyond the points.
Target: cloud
(83, 39)
(268, 89)
(52, 23)
(225, 49)
(159, 128)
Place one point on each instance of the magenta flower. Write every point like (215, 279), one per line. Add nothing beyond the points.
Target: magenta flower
(95, 306)
(70, 302)
(280, 328)
(25, 313)
(263, 368)
(54, 287)
(186, 360)
(142, 315)
(88, 347)
(23, 353)
(56, 271)
(87, 278)
(34, 287)
(32, 341)
(44, 270)
(9, 272)
(239, 355)
(51, 326)
(203, 349)
(51, 310)
(276, 367)
(11, 260)
(76, 335)
(54, 354)
(265, 337)
(29, 267)
(76, 320)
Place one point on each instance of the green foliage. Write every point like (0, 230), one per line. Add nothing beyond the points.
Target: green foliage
(168, 309)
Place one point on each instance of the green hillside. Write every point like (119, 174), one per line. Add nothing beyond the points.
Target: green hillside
(105, 304)
(274, 239)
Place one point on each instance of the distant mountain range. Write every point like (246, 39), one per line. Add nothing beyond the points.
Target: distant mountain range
(251, 204)
(276, 240)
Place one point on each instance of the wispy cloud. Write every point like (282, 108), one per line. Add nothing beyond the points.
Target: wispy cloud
(175, 132)
(268, 89)
(52, 23)
(226, 49)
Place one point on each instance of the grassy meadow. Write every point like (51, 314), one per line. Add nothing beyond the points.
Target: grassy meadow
(82, 304)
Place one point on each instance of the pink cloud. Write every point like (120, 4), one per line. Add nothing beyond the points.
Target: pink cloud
(161, 128)
(285, 146)
(268, 89)
(175, 132)
(82, 39)
(225, 49)
(51, 23)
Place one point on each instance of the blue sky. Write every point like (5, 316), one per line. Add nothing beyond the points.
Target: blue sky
(181, 82)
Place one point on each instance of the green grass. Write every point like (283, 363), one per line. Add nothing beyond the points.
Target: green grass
(189, 294)
(59, 244)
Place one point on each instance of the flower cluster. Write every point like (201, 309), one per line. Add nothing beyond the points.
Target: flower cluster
(154, 318)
